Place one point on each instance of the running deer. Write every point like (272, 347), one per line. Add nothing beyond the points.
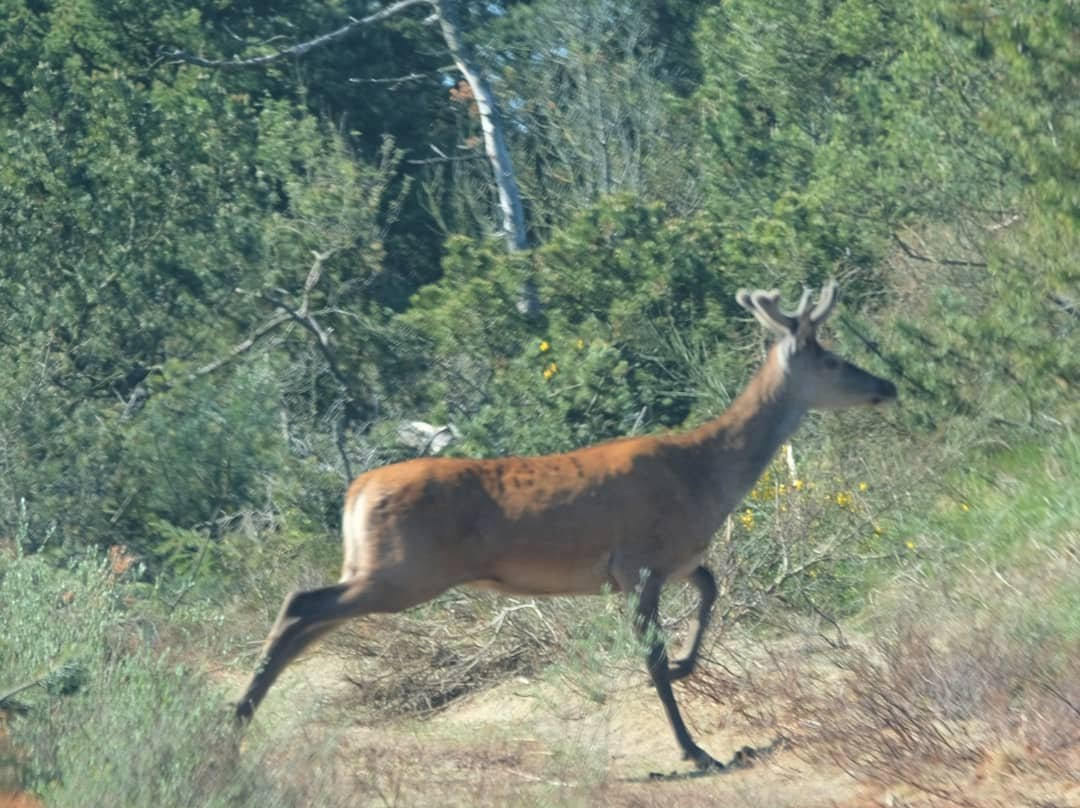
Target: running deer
(628, 515)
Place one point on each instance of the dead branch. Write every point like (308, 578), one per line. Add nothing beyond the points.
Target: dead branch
(14, 691)
(242, 347)
(309, 323)
(269, 326)
(301, 48)
(947, 262)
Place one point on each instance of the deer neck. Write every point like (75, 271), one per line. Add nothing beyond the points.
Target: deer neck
(732, 451)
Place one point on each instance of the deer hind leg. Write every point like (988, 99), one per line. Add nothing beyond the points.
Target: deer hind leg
(705, 584)
(647, 627)
(307, 615)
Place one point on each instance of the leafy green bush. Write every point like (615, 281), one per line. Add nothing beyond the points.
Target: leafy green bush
(632, 301)
(106, 716)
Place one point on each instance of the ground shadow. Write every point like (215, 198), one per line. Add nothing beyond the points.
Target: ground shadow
(743, 759)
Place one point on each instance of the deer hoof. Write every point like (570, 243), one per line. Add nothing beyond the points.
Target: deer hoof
(243, 712)
(706, 762)
(744, 758)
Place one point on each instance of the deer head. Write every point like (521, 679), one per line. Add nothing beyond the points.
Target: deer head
(814, 377)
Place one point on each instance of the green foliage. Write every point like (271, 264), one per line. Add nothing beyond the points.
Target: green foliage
(621, 285)
(223, 290)
(1006, 519)
(146, 216)
(206, 464)
(590, 86)
(823, 137)
(1029, 46)
(108, 719)
(600, 642)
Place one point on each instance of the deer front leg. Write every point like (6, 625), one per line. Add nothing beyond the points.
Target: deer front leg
(657, 661)
(705, 584)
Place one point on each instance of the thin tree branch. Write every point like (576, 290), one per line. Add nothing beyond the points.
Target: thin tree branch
(394, 81)
(339, 439)
(242, 347)
(447, 159)
(308, 322)
(14, 691)
(274, 322)
(947, 262)
(303, 47)
(1066, 305)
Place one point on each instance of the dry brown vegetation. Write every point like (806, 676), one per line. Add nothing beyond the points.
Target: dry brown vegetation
(921, 709)
(925, 712)
(959, 685)
(404, 666)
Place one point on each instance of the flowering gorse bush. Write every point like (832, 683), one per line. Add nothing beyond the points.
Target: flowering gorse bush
(801, 537)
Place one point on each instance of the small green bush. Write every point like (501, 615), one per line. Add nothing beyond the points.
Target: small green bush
(105, 716)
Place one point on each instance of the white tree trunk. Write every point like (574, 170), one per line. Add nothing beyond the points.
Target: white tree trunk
(513, 214)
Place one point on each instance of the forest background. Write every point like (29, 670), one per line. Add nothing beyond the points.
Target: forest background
(227, 289)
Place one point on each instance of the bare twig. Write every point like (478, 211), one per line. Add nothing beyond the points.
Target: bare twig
(948, 262)
(446, 159)
(9, 694)
(306, 320)
(395, 81)
(270, 325)
(303, 47)
(339, 439)
(243, 347)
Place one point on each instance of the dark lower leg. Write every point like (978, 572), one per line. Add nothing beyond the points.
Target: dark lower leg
(658, 670)
(290, 644)
(705, 584)
(304, 617)
(657, 662)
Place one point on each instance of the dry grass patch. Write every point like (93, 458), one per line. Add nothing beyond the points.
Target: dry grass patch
(928, 713)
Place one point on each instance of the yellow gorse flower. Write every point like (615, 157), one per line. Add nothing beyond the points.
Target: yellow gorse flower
(545, 346)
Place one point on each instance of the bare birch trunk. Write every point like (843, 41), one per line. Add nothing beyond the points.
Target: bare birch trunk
(513, 214)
